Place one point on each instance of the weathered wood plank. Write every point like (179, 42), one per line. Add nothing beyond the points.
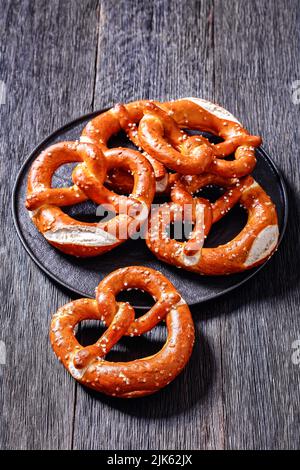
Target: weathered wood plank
(47, 63)
(157, 50)
(256, 61)
(241, 389)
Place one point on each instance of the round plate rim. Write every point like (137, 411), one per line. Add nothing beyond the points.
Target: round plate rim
(77, 292)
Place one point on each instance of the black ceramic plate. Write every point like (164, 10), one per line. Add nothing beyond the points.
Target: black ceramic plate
(81, 276)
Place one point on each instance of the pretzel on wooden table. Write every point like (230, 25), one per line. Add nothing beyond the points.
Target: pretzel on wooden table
(125, 379)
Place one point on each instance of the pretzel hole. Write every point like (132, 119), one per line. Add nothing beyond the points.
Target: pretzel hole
(214, 139)
(120, 140)
(211, 192)
(62, 177)
(220, 233)
(88, 211)
(136, 297)
(180, 230)
(229, 158)
(137, 347)
(89, 331)
(150, 343)
(227, 228)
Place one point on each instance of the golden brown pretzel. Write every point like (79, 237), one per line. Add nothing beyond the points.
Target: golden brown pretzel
(130, 127)
(162, 138)
(160, 135)
(125, 379)
(82, 238)
(183, 153)
(118, 118)
(102, 127)
(251, 247)
(143, 188)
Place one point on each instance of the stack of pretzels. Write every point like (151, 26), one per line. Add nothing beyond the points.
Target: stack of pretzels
(170, 162)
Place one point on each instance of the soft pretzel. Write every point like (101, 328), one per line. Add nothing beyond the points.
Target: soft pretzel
(102, 127)
(82, 238)
(130, 127)
(125, 159)
(196, 113)
(251, 247)
(160, 135)
(118, 118)
(125, 379)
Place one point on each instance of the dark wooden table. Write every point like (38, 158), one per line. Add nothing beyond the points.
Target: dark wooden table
(61, 59)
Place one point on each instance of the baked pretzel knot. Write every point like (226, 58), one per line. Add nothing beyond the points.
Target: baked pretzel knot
(82, 238)
(251, 247)
(159, 129)
(162, 136)
(122, 117)
(125, 379)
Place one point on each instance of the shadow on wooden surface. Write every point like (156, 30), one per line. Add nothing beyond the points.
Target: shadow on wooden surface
(269, 281)
(185, 391)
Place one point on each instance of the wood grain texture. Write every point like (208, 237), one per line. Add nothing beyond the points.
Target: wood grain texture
(61, 59)
(48, 54)
(255, 66)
